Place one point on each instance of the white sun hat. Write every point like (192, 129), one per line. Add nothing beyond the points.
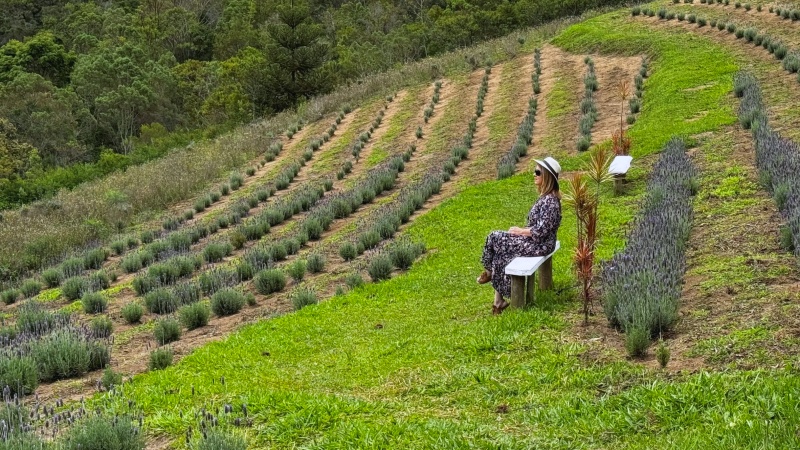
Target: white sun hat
(550, 164)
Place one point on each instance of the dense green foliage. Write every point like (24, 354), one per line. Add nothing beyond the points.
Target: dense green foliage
(87, 88)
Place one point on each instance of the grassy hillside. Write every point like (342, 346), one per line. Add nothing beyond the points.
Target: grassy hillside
(418, 361)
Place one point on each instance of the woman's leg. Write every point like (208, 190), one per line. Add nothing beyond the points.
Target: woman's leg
(489, 250)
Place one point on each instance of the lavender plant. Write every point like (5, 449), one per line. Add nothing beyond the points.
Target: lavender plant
(588, 108)
(641, 285)
(777, 158)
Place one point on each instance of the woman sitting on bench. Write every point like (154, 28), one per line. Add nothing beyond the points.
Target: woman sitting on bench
(537, 239)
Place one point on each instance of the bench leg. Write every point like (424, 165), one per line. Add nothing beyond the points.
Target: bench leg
(517, 291)
(546, 275)
(530, 290)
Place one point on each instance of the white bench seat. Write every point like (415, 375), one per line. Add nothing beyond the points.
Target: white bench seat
(521, 268)
(619, 168)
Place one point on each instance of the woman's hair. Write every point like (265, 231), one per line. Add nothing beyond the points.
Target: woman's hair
(549, 183)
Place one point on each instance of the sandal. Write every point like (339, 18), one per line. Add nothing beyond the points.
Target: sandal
(503, 307)
(485, 277)
(495, 310)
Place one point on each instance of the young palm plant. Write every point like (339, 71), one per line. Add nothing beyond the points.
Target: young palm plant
(583, 196)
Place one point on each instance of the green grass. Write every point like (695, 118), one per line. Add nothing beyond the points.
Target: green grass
(440, 372)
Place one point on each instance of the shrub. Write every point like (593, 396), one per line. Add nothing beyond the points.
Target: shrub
(167, 330)
(731, 28)
(380, 268)
(94, 303)
(147, 237)
(584, 143)
(75, 287)
(269, 281)
(227, 301)
(52, 277)
(144, 284)
(635, 105)
(237, 240)
(19, 373)
(419, 132)
(216, 439)
(160, 358)
(313, 228)
(701, 22)
(186, 293)
(34, 319)
(302, 297)
(216, 251)
(354, 280)
(66, 353)
(194, 315)
(403, 256)
(101, 327)
(236, 181)
(72, 267)
(110, 379)
(10, 296)
(786, 239)
(99, 281)
(99, 432)
(118, 247)
(315, 262)
(245, 271)
(161, 301)
(132, 312)
(297, 270)
(94, 258)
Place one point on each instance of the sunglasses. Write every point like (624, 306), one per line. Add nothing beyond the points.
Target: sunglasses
(537, 172)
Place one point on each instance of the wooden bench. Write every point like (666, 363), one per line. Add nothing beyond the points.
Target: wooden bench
(521, 268)
(619, 167)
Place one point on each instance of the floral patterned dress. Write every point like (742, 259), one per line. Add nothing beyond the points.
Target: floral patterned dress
(502, 247)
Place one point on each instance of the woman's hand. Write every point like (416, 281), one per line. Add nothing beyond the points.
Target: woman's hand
(517, 231)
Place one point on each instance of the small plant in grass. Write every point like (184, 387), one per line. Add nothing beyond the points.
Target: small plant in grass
(662, 13)
(110, 379)
(99, 281)
(737, 5)
(419, 132)
(132, 312)
(681, 16)
(315, 262)
(662, 354)
(194, 315)
(160, 358)
(250, 171)
(380, 267)
(237, 239)
(731, 27)
(102, 432)
(94, 303)
(302, 297)
(720, 25)
(354, 280)
(170, 223)
(786, 239)
(52, 277)
(101, 327)
(147, 237)
(227, 301)
(636, 10)
(691, 18)
(269, 281)
(297, 270)
(701, 22)
(10, 296)
(637, 340)
(167, 330)
(74, 288)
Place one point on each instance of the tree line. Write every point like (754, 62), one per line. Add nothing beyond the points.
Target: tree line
(88, 87)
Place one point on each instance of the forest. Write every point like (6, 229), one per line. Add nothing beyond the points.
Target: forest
(89, 87)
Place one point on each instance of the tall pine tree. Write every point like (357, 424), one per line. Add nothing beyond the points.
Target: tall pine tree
(296, 55)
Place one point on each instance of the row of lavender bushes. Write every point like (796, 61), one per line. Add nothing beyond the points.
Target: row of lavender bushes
(777, 159)
(508, 162)
(641, 285)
